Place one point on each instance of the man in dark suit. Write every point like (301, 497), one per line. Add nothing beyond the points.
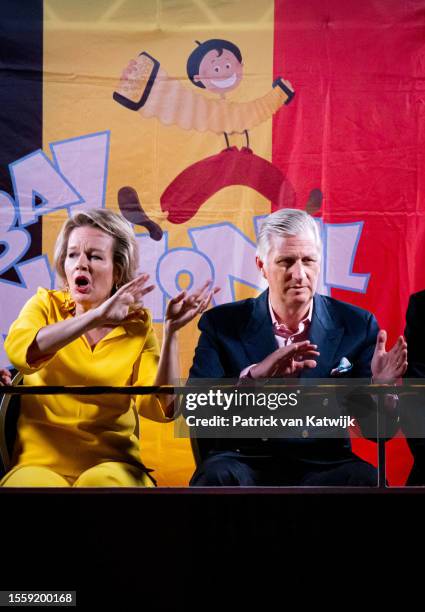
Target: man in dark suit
(289, 330)
(413, 409)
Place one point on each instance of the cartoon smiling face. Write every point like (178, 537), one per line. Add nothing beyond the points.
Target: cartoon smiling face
(219, 72)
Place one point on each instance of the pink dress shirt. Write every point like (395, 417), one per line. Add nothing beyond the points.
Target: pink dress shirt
(285, 336)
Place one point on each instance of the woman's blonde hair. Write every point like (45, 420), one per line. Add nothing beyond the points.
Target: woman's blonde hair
(126, 255)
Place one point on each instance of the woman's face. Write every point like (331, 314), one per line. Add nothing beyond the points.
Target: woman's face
(89, 267)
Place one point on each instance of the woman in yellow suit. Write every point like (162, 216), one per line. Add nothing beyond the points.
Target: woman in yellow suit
(94, 332)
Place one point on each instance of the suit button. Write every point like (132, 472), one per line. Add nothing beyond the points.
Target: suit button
(325, 402)
(238, 450)
(304, 433)
(264, 439)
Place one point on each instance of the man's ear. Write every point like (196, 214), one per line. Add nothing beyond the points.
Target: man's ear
(260, 265)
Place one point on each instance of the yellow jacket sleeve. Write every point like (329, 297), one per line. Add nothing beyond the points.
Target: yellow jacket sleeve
(144, 374)
(33, 316)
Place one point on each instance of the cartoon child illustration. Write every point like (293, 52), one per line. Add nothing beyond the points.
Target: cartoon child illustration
(215, 65)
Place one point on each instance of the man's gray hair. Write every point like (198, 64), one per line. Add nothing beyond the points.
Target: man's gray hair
(286, 222)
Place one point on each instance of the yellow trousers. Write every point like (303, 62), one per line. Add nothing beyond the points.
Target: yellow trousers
(108, 474)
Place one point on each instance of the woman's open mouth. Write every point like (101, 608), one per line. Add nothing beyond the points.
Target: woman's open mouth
(82, 284)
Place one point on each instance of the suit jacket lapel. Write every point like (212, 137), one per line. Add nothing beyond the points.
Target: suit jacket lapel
(258, 337)
(327, 333)
(259, 341)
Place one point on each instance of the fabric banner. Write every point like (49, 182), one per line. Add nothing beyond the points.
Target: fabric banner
(106, 104)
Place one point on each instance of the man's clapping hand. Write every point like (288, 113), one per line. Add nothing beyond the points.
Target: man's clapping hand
(286, 361)
(388, 366)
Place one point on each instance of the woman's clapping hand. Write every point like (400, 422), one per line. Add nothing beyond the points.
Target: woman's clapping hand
(126, 303)
(184, 307)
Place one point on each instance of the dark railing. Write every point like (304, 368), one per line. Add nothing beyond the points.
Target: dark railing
(17, 390)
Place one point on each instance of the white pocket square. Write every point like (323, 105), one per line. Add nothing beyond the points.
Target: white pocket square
(343, 367)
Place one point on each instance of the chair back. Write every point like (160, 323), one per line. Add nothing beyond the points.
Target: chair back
(9, 413)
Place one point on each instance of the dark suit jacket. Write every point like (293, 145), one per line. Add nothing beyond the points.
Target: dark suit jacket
(413, 409)
(236, 335)
(415, 335)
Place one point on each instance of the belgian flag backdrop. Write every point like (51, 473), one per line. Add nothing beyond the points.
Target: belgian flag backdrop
(348, 147)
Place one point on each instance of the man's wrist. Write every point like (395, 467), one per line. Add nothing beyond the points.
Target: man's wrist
(391, 382)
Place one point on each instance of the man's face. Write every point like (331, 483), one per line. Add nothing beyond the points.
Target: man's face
(219, 73)
(291, 268)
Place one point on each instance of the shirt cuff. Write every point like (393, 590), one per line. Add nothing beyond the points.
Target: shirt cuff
(246, 372)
